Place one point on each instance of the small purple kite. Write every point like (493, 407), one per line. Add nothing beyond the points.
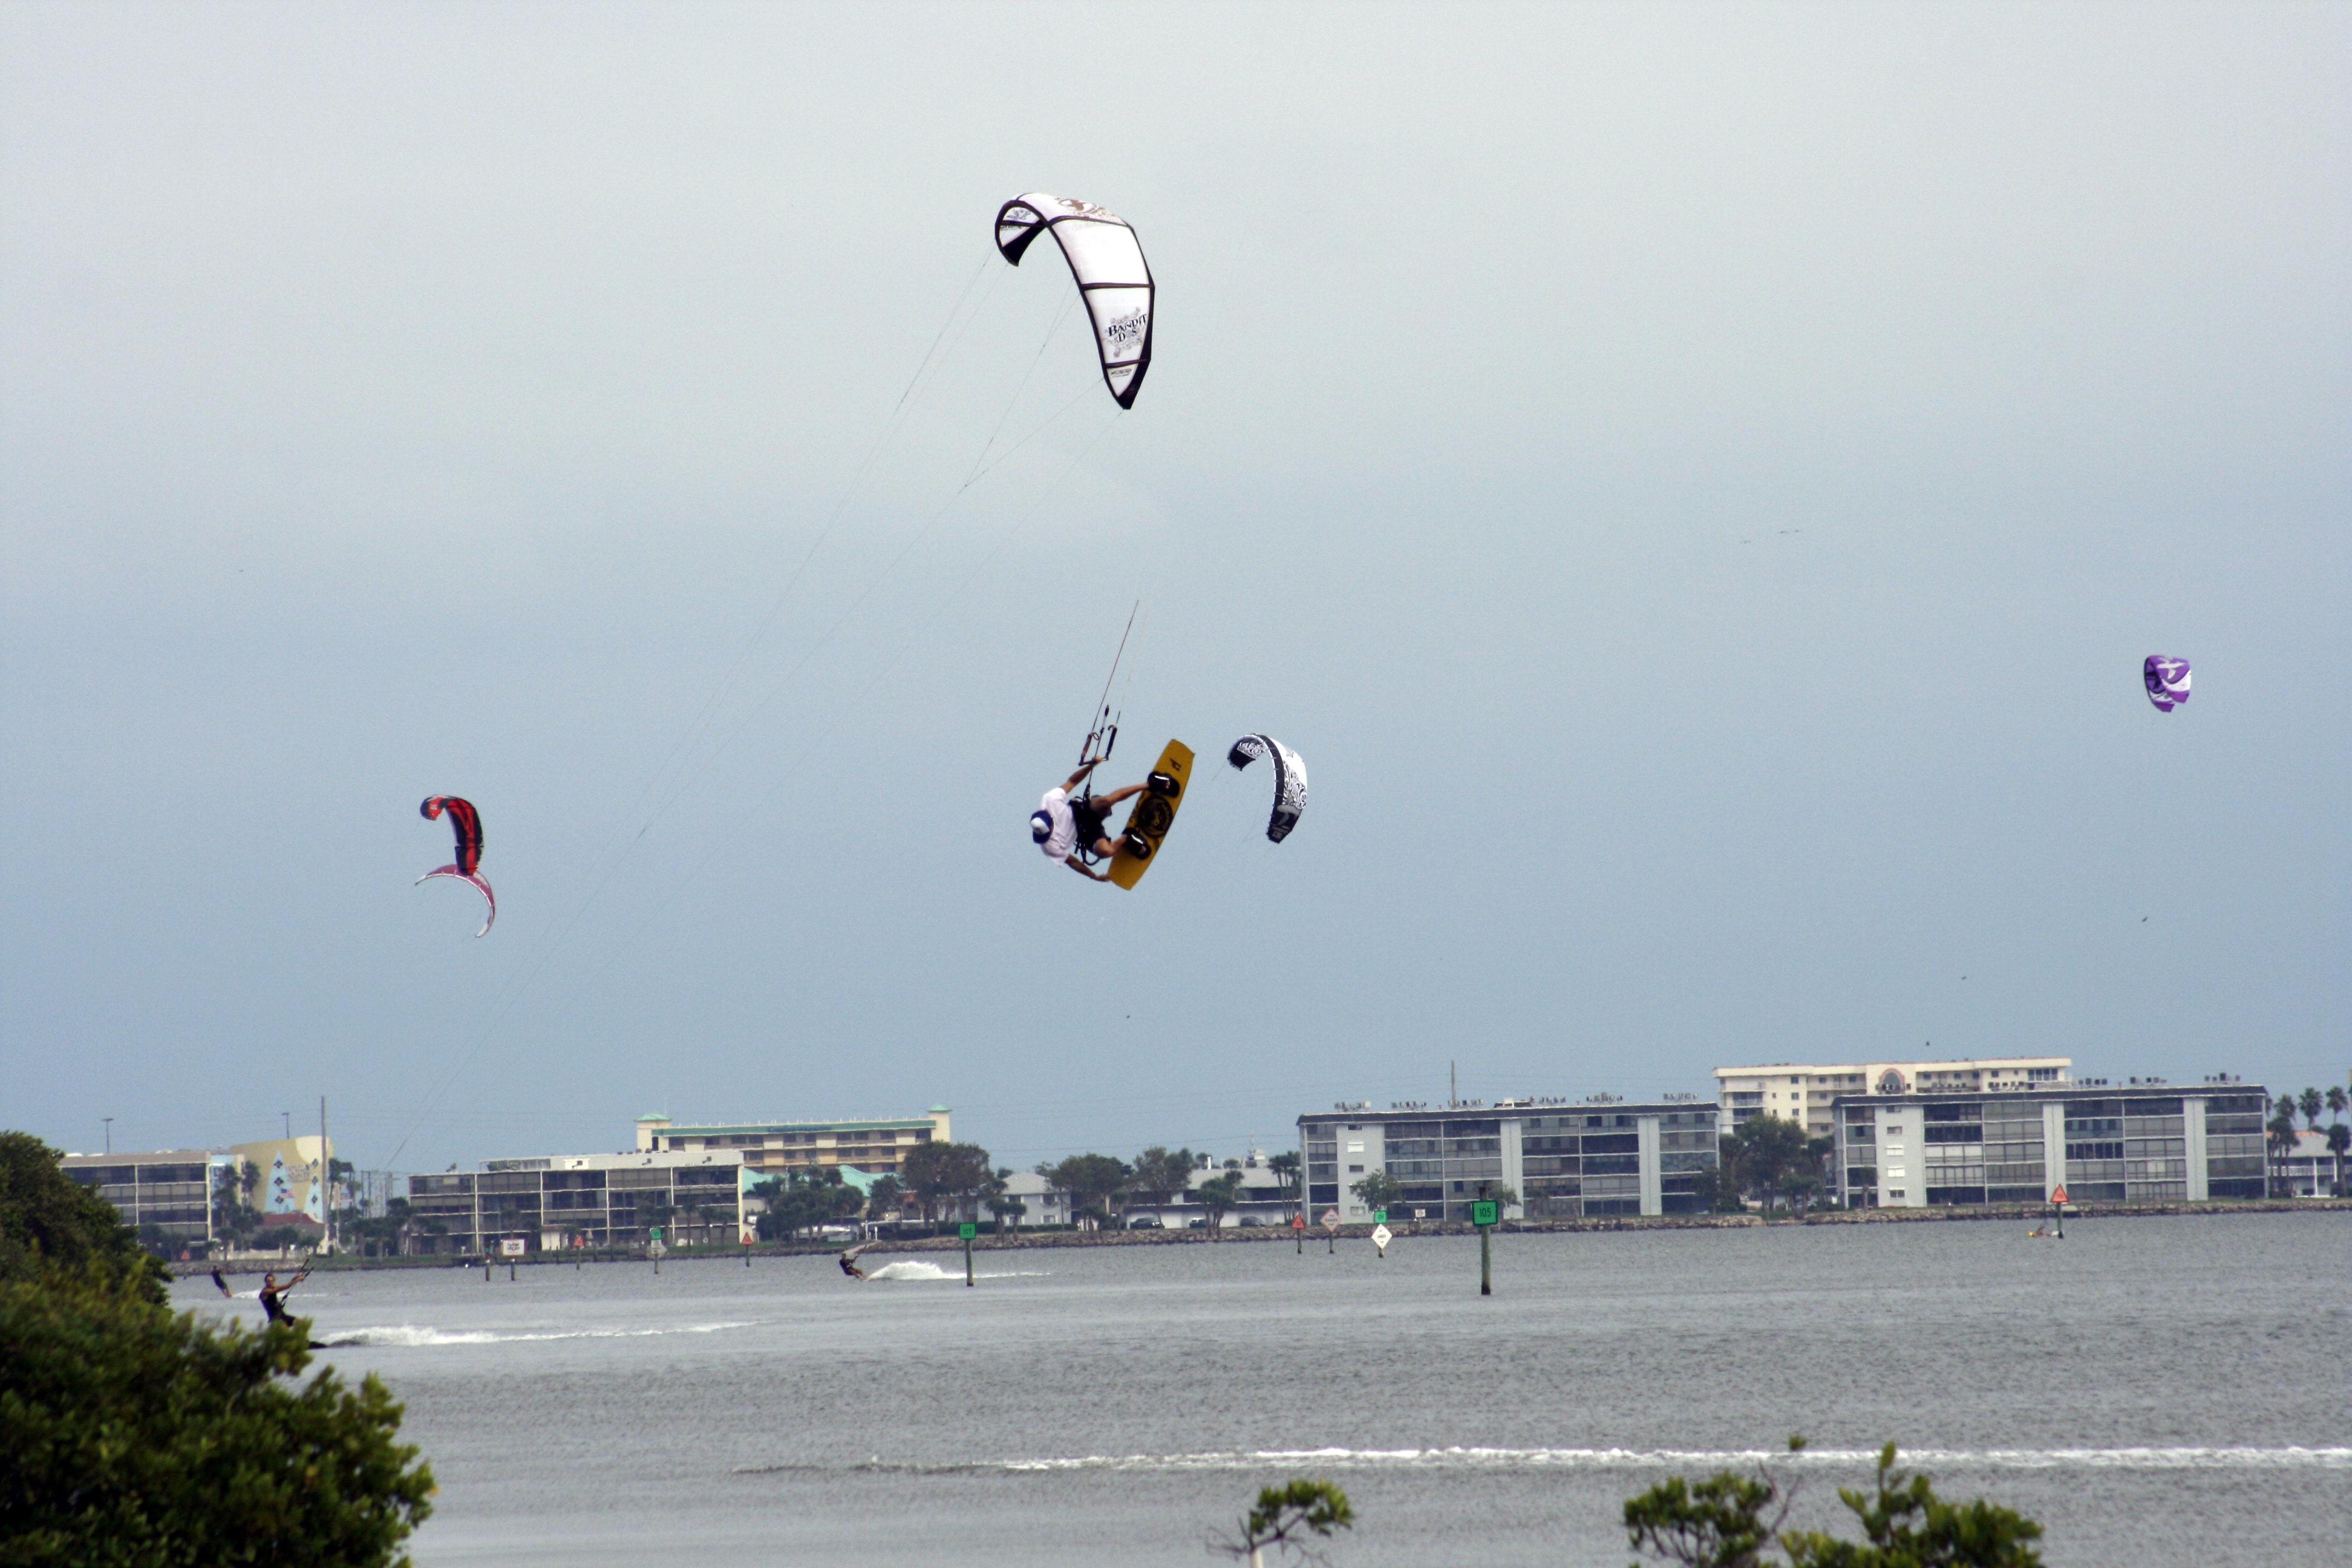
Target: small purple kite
(2167, 680)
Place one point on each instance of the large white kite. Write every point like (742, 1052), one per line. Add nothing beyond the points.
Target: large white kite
(1113, 278)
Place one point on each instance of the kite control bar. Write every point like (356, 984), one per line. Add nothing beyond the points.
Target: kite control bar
(1105, 722)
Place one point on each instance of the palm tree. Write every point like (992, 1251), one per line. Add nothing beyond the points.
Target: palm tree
(2339, 1136)
(1285, 1165)
(2281, 1129)
(2309, 1103)
(235, 1218)
(2339, 1139)
(1218, 1196)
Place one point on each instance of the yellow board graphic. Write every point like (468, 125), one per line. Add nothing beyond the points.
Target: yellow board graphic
(1153, 815)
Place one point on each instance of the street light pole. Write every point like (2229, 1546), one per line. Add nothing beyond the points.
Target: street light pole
(110, 1132)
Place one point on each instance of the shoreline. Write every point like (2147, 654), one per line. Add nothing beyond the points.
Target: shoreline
(1038, 1240)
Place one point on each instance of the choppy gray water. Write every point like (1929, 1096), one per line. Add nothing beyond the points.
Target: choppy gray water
(2154, 1391)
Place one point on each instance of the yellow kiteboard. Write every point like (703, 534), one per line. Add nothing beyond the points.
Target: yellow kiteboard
(1153, 814)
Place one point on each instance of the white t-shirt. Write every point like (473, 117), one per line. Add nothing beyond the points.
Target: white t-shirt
(1063, 839)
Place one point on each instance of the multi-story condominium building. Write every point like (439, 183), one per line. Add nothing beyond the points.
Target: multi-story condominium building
(1802, 1091)
(581, 1200)
(2146, 1142)
(1565, 1160)
(772, 1148)
(170, 1190)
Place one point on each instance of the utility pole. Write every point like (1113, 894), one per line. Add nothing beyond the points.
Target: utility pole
(110, 1132)
(327, 1170)
(1452, 1086)
(289, 1123)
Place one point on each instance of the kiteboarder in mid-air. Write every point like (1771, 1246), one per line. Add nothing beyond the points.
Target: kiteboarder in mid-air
(1070, 827)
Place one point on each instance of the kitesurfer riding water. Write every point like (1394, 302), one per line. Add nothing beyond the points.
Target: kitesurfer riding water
(272, 1293)
(1069, 826)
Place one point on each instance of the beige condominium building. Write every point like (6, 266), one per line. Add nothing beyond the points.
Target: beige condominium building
(1802, 1091)
(770, 1148)
(168, 1193)
(579, 1200)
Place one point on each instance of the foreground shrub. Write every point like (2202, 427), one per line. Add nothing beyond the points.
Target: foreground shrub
(1731, 1521)
(134, 1437)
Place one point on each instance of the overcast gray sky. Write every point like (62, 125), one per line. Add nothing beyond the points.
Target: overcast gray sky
(1695, 483)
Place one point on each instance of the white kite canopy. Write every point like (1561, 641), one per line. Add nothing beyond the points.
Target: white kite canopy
(1113, 278)
(1289, 780)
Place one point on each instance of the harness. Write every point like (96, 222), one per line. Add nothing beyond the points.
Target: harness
(1091, 829)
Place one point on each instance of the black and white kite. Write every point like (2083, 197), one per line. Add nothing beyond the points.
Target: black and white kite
(1113, 278)
(1289, 780)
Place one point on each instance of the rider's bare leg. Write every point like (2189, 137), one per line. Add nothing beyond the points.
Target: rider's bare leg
(1107, 801)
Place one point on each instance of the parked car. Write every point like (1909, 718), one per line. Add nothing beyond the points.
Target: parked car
(1251, 1219)
(1144, 1222)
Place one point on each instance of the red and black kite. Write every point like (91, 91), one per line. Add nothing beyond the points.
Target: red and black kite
(467, 824)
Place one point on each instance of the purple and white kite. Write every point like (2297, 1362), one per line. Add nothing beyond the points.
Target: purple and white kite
(2167, 680)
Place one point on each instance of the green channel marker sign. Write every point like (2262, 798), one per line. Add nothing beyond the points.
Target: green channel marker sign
(1482, 1213)
(967, 1230)
(1379, 1217)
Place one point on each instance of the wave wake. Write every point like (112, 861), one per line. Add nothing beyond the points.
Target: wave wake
(1458, 1458)
(930, 1273)
(410, 1335)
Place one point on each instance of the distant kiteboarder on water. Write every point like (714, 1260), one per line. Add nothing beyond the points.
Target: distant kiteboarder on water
(849, 1260)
